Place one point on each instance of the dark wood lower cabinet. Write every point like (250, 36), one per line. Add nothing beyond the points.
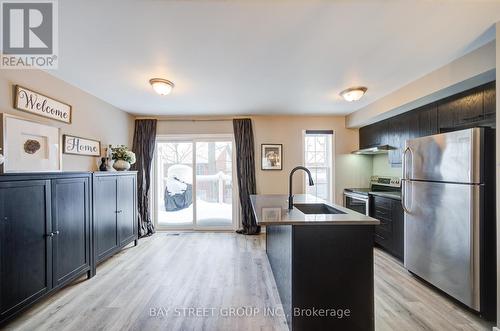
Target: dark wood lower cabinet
(45, 236)
(126, 211)
(49, 235)
(71, 227)
(324, 275)
(389, 234)
(115, 212)
(105, 216)
(25, 249)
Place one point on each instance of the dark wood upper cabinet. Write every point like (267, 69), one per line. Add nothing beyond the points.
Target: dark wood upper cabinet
(399, 132)
(373, 135)
(364, 136)
(426, 121)
(489, 100)
(380, 129)
(461, 110)
(446, 115)
(474, 107)
(370, 138)
(470, 107)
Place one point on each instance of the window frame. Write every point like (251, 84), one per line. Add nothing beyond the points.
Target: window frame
(331, 173)
(153, 198)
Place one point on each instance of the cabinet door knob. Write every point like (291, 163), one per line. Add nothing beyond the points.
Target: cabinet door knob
(118, 211)
(57, 232)
(50, 234)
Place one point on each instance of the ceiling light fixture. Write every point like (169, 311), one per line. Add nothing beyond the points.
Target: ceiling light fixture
(353, 93)
(161, 86)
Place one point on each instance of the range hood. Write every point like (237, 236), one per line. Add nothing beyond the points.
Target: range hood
(379, 149)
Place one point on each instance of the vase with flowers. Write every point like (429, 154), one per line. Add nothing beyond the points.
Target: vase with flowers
(123, 158)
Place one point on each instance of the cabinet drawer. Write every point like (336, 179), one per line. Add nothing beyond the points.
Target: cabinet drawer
(383, 239)
(385, 226)
(380, 203)
(382, 213)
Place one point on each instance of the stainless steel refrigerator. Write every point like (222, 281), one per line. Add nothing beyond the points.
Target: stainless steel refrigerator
(449, 202)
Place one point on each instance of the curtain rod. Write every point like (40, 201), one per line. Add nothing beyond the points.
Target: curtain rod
(197, 120)
(189, 119)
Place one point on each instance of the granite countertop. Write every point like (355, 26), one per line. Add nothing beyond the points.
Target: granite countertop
(272, 209)
(391, 195)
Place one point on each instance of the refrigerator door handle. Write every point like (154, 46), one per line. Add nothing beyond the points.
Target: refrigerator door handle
(403, 182)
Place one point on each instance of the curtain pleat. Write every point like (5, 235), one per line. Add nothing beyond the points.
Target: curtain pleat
(245, 169)
(143, 147)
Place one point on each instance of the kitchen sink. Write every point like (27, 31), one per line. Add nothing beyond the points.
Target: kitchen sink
(317, 208)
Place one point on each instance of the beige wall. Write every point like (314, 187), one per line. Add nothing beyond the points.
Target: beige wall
(350, 170)
(92, 117)
(473, 69)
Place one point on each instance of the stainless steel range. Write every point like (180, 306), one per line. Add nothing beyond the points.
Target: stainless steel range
(357, 199)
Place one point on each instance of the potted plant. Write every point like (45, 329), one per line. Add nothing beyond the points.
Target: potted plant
(123, 158)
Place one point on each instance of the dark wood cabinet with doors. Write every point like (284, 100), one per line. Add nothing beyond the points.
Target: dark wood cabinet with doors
(115, 212)
(71, 226)
(461, 109)
(474, 107)
(489, 101)
(373, 135)
(389, 234)
(399, 131)
(45, 236)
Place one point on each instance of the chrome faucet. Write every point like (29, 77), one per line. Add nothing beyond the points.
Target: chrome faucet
(290, 195)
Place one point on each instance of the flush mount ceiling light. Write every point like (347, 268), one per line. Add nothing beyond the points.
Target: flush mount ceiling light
(353, 93)
(161, 86)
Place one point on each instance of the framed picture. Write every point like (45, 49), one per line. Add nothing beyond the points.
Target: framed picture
(41, 105)
(271, 157)
(81, 146)
(271, 214)
(29, 146)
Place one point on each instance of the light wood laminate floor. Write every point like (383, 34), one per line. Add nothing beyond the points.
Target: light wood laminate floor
(219, 271)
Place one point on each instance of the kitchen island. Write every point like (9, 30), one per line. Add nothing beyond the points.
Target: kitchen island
(321, 255)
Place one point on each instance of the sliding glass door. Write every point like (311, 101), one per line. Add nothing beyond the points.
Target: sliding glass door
(194, 183)
(214, 183)
(174, 183)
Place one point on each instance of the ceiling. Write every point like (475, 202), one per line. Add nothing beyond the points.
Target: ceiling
(260, 56)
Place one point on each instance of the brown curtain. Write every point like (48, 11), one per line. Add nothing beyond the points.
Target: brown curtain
(143, 147)
(245, 168)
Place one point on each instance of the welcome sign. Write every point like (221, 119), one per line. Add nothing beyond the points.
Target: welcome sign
(81, 146)
(42, 105)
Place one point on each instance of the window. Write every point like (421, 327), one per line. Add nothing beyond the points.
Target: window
(318, 159)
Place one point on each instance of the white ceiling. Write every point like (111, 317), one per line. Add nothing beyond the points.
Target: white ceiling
(260, 56)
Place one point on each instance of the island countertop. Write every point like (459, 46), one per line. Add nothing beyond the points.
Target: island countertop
(272, 209)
